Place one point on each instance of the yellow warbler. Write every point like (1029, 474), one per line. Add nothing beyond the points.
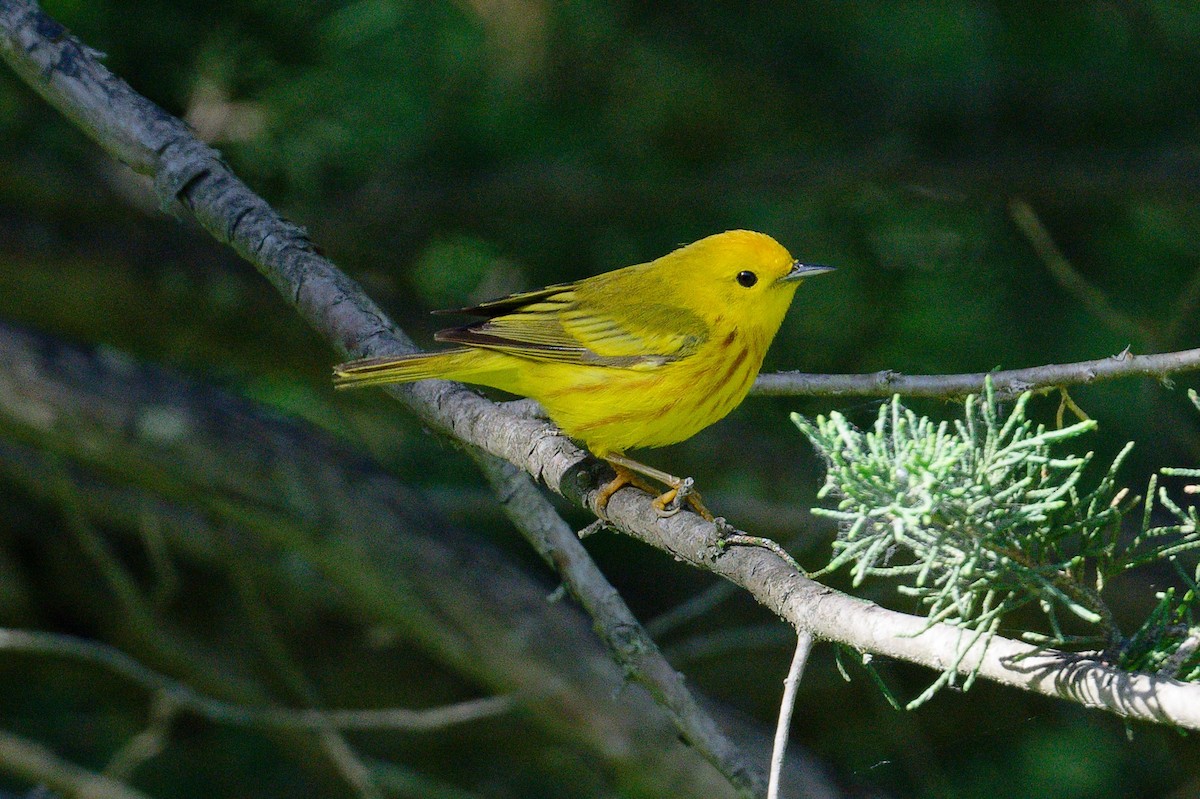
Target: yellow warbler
(642, 356)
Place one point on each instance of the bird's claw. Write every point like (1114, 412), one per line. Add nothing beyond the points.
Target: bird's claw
(670, 503)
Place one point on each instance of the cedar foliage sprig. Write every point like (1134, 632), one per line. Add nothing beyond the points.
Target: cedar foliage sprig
(982, 516)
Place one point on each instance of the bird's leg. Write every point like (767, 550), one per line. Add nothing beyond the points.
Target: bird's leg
(667, 503)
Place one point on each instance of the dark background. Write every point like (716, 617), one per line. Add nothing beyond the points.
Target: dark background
(444, 153)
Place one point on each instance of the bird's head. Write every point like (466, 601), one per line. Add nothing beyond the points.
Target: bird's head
(744, 273)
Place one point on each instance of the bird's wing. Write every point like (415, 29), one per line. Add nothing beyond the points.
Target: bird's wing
(554, 324)
(512, 302)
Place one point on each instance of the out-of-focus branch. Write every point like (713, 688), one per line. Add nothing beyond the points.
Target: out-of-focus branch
(182, 697)
(341, 753)
(148, 743)
(1067, 276)
(190, 172)
(37, 764)
(382, 553)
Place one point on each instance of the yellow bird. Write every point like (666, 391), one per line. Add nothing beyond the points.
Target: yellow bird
(643, 356)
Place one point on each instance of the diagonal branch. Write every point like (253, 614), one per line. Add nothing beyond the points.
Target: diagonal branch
(629, 642)
(191, 173)
(187, 172)
(1067, 276)
(39, 765)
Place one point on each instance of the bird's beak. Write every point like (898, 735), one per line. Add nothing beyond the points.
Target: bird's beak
(800, 271)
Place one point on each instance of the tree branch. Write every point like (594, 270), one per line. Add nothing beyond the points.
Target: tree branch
(40, 766)
(1068, 277)
(216, 710)
(787, 705)
(867, 627)
(189, 172)
(1008, 382)
(382, 555)
(185, 170)
(629, 642)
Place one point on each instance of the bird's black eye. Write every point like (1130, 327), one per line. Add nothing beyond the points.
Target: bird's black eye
(746, 278)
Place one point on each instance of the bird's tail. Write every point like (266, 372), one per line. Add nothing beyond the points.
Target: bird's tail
(447, 364)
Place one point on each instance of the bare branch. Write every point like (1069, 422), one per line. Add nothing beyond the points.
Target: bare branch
(1067, 276)
(787, 705)
(182, 697)
(867, 627)
(1011, 382)
(378, 552)
(1008, 383)
(148, 743)
(343, 756)
(37, 764)
(734, 642)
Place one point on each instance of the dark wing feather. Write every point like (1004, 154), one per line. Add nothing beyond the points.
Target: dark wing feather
(512, 302)
(551, 325)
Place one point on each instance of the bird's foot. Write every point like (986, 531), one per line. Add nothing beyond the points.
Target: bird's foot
(680, 491)
(670, 502)
(625, 477)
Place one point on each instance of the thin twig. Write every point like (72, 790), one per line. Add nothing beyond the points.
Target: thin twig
(138, 619)
(432, 719)
(693, 608)
(804, 642)
(401, 781)
(1008, 382)
(734, 642)
(1067, 276)
(341, 754)
(148, 743)
(34, 762)
(166, 578)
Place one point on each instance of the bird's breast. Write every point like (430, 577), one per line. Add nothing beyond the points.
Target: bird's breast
(612, 410)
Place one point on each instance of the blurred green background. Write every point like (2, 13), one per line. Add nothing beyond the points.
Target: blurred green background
(447, 152)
